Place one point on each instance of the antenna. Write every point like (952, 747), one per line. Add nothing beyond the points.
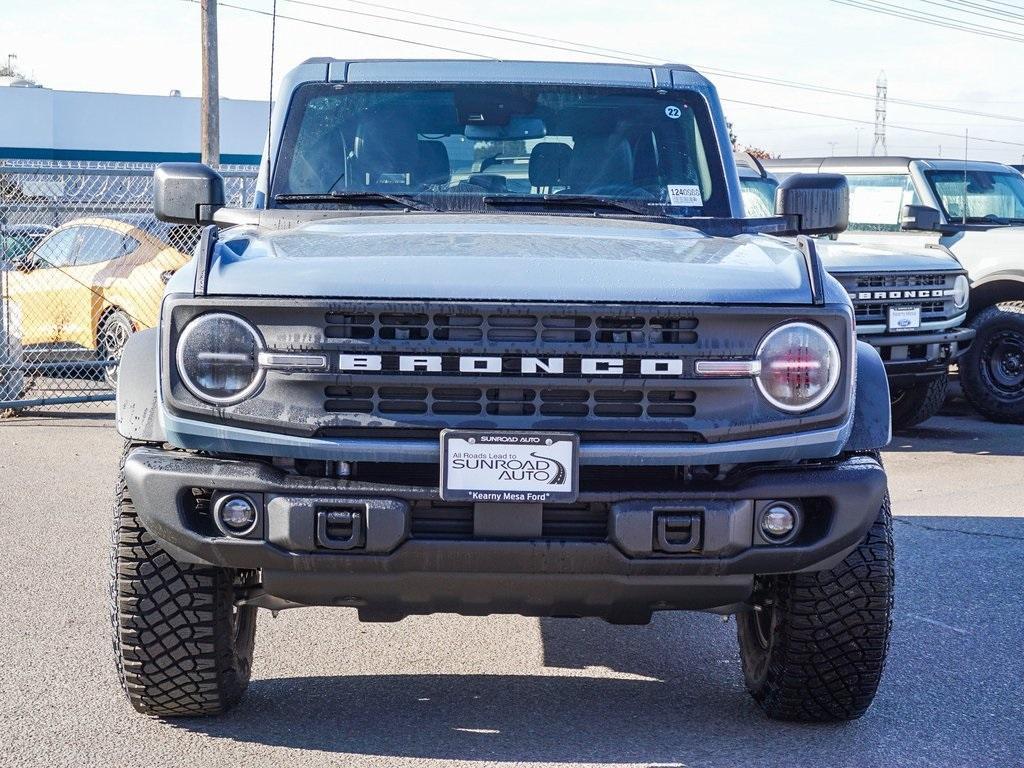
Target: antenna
(881, 99)
(270, 98)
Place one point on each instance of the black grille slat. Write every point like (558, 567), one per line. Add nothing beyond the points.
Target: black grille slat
(574, 402)
(500, 328)
(897, 280)
(435, 519)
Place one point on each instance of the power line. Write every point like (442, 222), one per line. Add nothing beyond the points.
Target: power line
(869, 122)
(986, 13)
(999, 5)
(482, 56)
(631, 57)
(322, 6)
(349, 29)
(478, 25)
(935, 21)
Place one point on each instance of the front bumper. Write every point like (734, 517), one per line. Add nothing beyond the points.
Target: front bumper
(399, 566)
(912, 357)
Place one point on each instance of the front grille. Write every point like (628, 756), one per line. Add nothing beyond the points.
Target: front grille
(581, 521)
(410, 368)
(874, 309)
(554, 401)
(897, 280)
(527, 328)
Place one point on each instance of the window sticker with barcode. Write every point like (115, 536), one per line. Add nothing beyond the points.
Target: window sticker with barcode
(685, 194)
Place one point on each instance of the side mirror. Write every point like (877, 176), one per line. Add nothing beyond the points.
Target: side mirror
(920, 218)
(26, 262)
(187, 193)
(814, 203)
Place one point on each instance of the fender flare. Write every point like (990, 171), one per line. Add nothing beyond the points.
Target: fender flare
(138, 410)
(872, 412)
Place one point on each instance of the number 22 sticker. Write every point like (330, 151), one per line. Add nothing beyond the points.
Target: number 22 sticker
(673, 112)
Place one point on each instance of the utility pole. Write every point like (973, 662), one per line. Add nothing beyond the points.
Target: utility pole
(857, 131)
(881, 100)
(209, 130)
(832, 145)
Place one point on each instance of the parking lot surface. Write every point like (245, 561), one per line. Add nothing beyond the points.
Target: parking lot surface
(446, 690)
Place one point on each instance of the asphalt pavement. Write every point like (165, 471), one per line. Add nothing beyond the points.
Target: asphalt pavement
(447, 690)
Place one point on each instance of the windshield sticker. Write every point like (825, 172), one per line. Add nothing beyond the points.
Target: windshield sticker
(673, 112)
(685, 194)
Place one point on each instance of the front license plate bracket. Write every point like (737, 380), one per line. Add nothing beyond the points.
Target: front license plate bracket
(509, 467)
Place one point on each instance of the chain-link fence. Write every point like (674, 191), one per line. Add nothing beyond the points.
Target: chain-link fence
(83, 263)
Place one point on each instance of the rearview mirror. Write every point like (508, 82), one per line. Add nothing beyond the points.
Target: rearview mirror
(920, 218)
(515, 128)
(187, 193)
(814, 203)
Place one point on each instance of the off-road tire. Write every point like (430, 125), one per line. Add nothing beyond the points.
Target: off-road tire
(995, 392)
(913, 405)
(816, 650)
(111, 337)
(180, 645)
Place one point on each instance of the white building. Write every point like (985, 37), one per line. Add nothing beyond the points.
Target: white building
(43, 124)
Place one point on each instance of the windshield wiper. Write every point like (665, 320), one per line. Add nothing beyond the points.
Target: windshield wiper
(570, 201)
(987, 219)
(355, 198)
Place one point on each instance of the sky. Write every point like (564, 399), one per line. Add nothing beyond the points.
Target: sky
(153, 46)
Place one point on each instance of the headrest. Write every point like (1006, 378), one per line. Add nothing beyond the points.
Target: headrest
(434, 167)
(549, 164)
(601, 163)
(386, 150)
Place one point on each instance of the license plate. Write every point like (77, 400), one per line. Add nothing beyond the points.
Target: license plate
(904, 318)
(509, 467)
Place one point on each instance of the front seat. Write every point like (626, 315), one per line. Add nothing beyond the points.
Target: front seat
(601, 165)
(549, 165)
(435, 169)
(385, 152)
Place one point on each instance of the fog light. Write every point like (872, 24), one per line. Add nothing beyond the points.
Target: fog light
(778, 521)
(236, 515)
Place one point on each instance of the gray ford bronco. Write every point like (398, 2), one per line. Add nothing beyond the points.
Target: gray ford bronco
(908, 303)
(420, 377)
(974, 209)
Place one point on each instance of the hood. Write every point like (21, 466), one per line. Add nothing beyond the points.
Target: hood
(507, 258)
(838, 257)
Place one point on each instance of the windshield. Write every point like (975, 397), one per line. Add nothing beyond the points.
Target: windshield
(758, 196)
(470, 147)
(979, 195)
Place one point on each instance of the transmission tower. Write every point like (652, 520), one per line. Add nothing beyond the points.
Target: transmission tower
(881, 97)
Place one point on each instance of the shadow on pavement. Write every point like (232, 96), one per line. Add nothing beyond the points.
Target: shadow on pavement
(90, 416)
(960, 432)
(671, 693)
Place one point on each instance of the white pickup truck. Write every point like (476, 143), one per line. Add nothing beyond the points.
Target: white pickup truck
(976, 209)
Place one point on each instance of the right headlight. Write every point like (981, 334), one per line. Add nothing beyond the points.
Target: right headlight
(218, 358)
(961, 291)
(800, 367)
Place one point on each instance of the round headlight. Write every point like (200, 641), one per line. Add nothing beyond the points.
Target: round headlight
(961, 291)
(217, 358)
(799, 367)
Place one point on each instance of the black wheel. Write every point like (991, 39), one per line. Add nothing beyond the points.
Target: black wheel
(992, 370)
(814, 648)
(912, 405)
(110, 341)
(181, 645)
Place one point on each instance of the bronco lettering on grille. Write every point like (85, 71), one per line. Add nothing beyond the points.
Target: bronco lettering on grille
(937, 293)
(472, 364)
